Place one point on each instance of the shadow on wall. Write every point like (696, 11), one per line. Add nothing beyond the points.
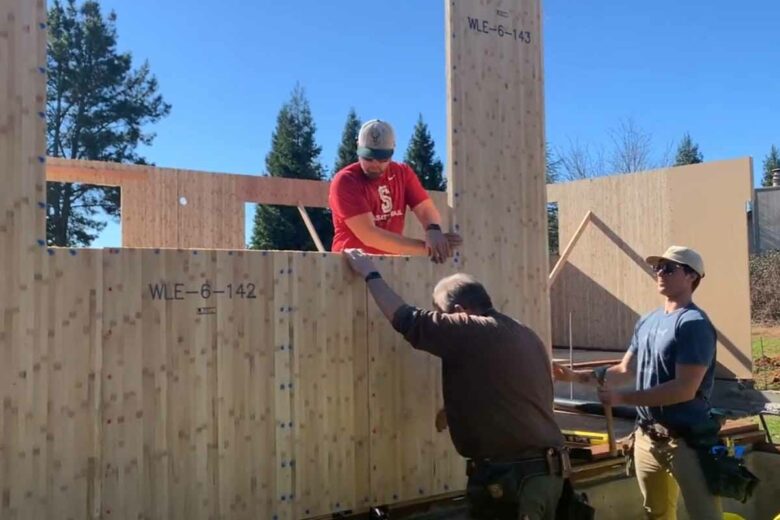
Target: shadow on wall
(599, 320)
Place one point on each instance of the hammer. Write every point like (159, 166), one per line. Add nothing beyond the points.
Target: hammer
(600, 374)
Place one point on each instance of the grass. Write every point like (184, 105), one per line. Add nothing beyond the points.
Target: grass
(773, 425)
(765, 342)
(767, 346)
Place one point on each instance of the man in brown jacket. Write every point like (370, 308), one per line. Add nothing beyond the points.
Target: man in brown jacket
(498, 393)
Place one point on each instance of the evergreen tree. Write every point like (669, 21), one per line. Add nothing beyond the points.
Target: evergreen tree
(771, 162)
(347, 153)
(688, 152)
(294, 155)
(420, 156)
(96, 108)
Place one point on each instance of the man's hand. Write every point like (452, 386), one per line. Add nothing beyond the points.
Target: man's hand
(454, 239)
(609, 396)
(437, 245)
(360, 262)
(563, 373)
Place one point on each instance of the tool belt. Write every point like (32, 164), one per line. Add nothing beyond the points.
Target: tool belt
(494, 484)
(657, 431)
(726, 475)
(552, 461)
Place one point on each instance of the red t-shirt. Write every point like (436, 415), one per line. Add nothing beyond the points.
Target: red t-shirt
(352, 193)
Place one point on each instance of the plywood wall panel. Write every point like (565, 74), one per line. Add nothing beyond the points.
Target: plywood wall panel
(409, 459)
(213, 216)
(23, 350)
(67, 377)
(331, 421)
(709, 204)
(246, 427)
(122, 411)
(496, 151)
(150, 211)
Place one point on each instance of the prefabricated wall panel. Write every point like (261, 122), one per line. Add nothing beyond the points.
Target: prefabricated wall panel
(606, 285)
(27, 436)
(221, 384)
(496, 151)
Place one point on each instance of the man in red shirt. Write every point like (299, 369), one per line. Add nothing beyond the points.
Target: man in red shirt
(369, 199)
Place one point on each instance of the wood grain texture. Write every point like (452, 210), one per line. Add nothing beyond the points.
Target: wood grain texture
(496, 151)
(24, 426)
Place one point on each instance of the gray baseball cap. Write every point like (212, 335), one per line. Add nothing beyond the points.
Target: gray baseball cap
(376, 140)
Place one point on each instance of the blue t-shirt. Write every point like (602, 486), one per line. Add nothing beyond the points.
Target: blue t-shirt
(685, 336)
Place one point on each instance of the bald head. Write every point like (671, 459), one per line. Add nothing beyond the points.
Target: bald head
(463, 290)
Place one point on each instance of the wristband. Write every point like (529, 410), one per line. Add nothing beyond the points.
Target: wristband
(432, 227)
(373, 275)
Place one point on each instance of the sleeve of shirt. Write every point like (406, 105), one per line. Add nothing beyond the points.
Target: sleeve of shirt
(633, 347)
(347, 199)
(696, 342)
(434, 332)
(413, 191)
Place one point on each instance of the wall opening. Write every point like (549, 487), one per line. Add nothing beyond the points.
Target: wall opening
(83, 215)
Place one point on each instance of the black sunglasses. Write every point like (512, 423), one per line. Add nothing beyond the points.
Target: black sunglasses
(666, 268)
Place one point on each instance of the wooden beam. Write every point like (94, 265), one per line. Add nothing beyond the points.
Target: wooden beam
(567, 251)
(95, 172)
(247, 188)
(281, 191)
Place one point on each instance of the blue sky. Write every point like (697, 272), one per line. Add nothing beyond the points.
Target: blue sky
(705, 67)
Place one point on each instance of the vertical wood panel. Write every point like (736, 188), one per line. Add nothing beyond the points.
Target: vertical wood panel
(70, 381)
(409, 459)
(330, 428)
(282, 379)
(496, 151)
(23, 453)
(122, 415)
(158, 369)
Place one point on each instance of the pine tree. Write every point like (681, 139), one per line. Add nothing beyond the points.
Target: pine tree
(294, 155)
(771, 162)
(688, 152)
(420, 156)
(347, 153)
(96, 108)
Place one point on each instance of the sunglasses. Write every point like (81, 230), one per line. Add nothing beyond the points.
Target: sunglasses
(666, 268)
(370, 159)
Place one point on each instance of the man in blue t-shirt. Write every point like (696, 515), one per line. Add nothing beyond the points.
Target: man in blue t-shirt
(672, 358)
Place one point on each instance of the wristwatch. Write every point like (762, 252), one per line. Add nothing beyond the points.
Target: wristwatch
(432, 227)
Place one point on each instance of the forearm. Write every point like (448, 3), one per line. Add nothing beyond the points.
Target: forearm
(427, 213)
(563, 373)
(619, 375)
(671, 392)
(393, 243)
(385, 297)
